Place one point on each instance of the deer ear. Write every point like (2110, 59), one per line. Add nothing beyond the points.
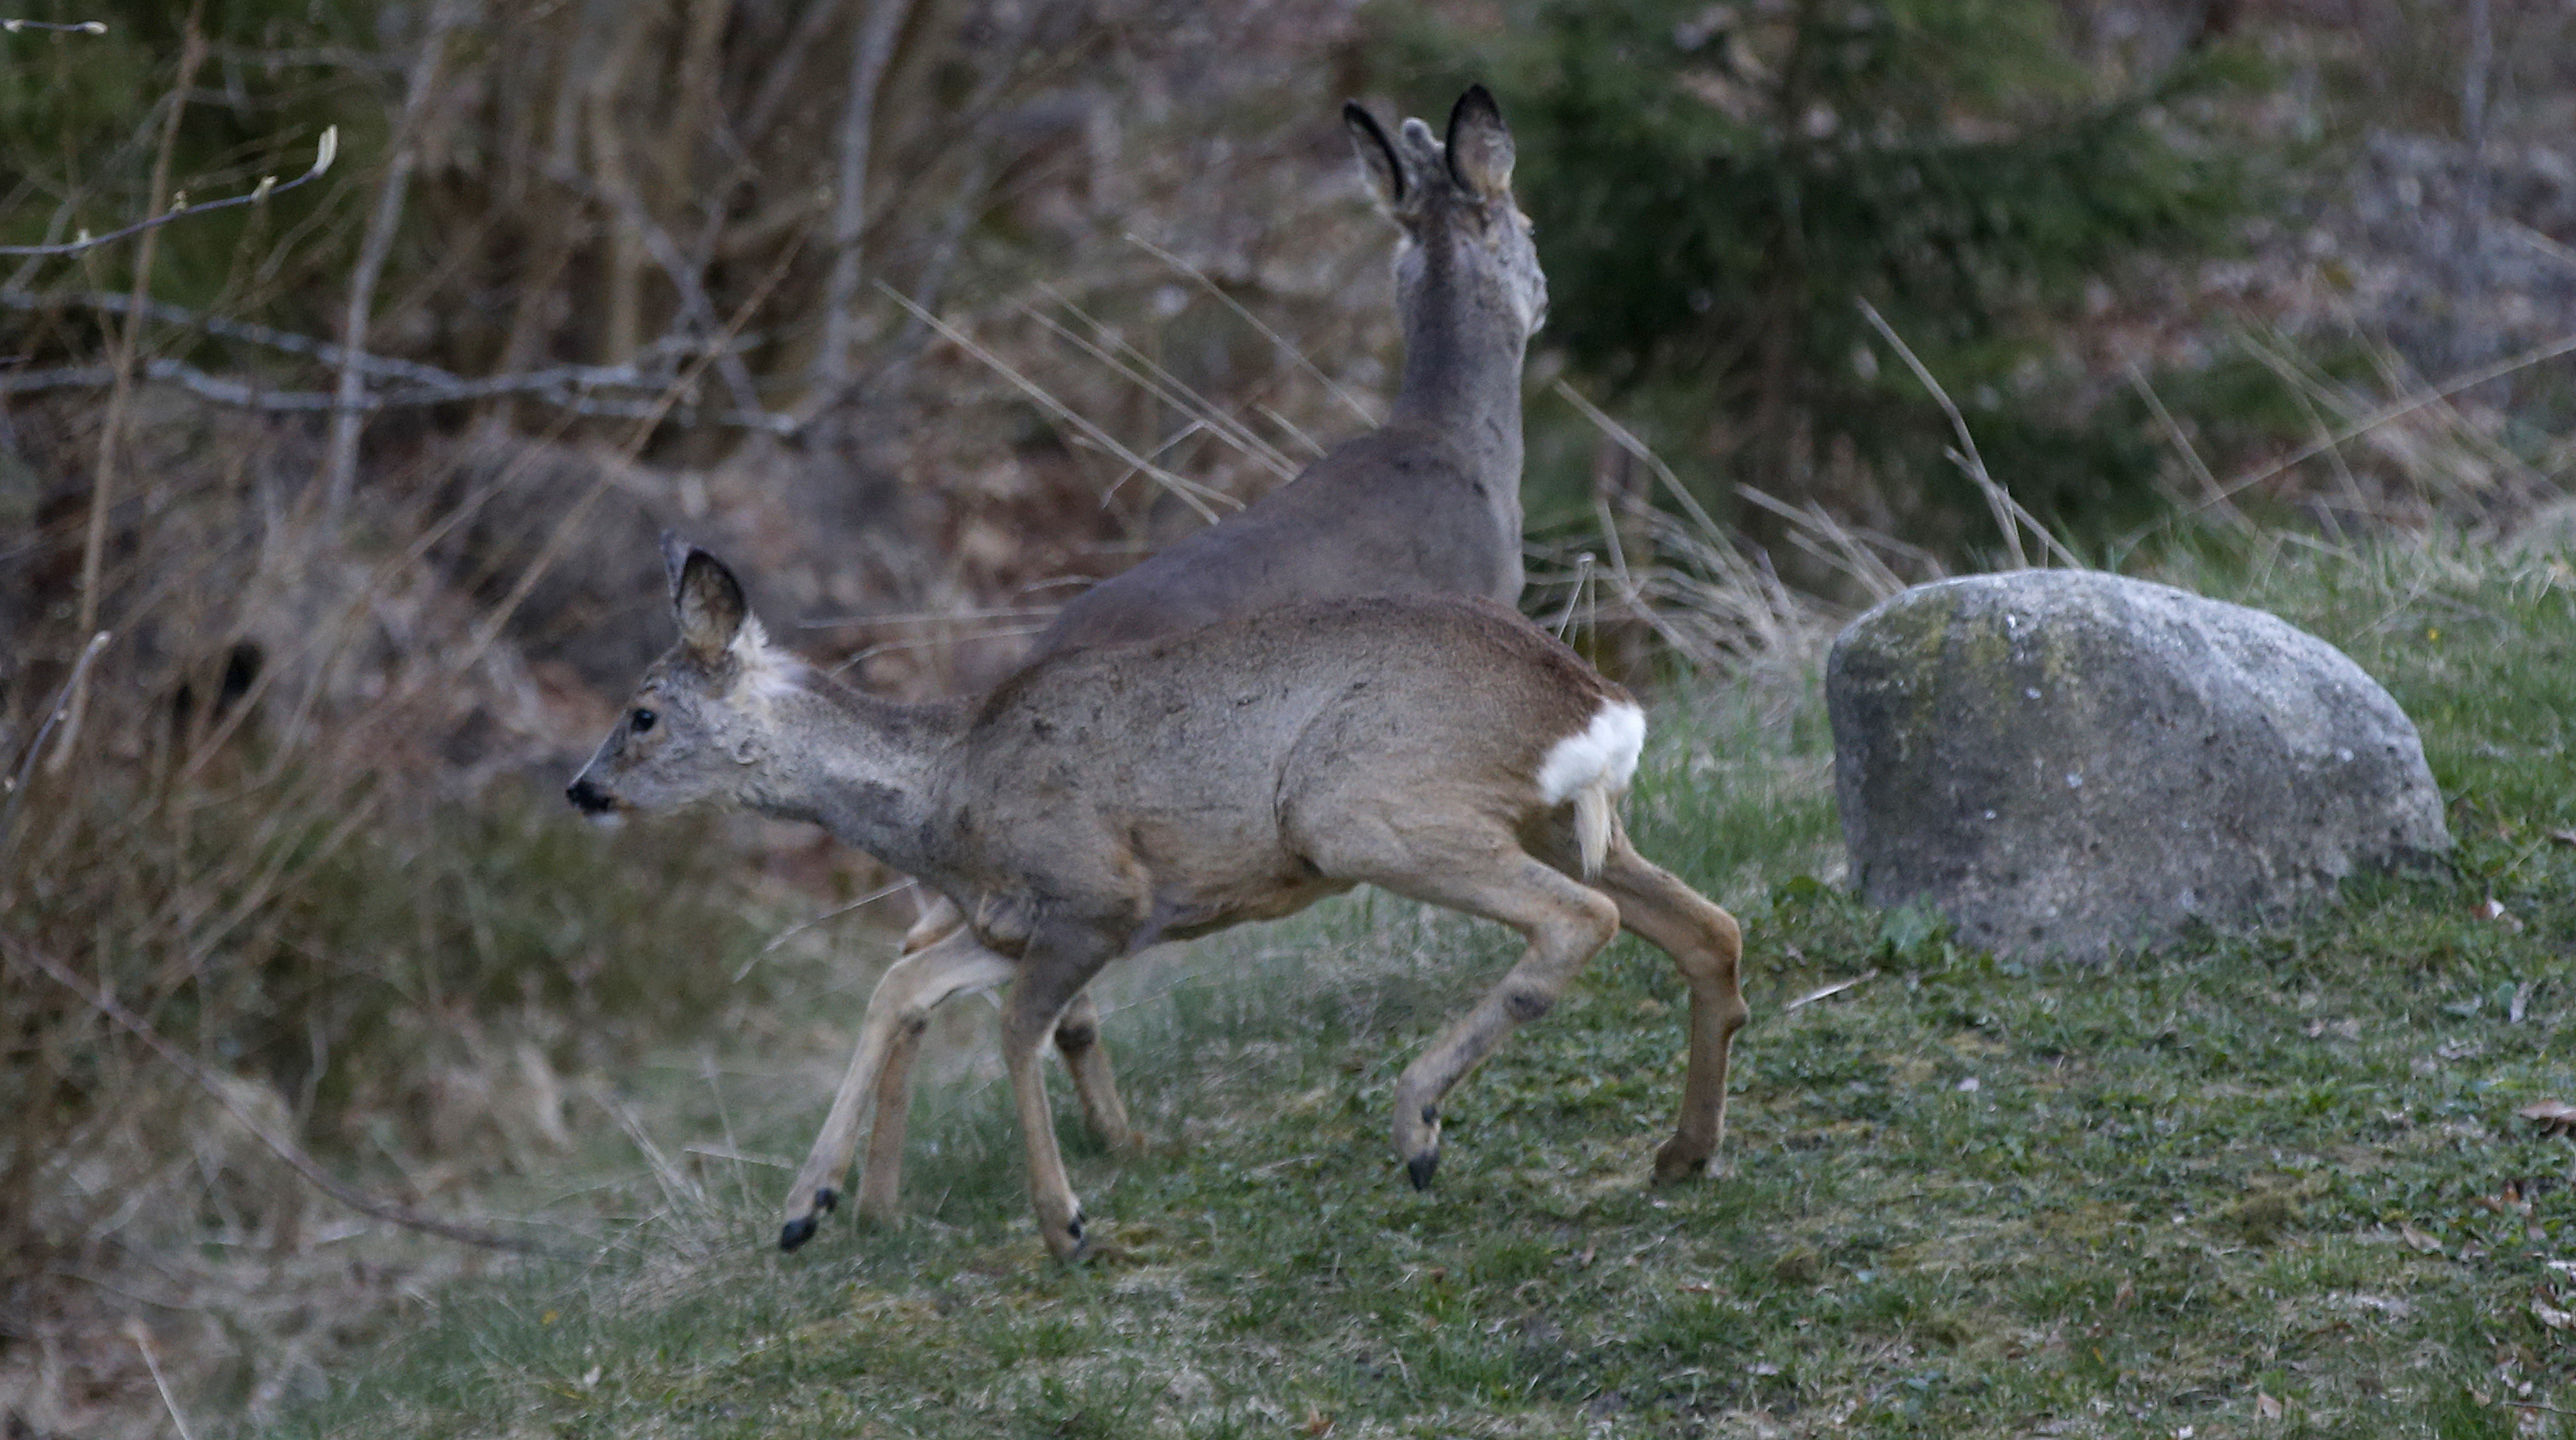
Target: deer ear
(1480, 145)
(709, 603)
(675, 558)
(1377, 155)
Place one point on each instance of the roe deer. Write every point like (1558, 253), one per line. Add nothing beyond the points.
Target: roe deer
(1430, 501)
(1106, 798)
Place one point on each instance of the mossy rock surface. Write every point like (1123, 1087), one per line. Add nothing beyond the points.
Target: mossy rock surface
(2070, 762)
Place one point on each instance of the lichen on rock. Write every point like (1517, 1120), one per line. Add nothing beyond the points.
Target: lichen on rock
(2069, 762)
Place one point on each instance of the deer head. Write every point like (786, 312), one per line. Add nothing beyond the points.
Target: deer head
(1453, 200)
(703, 715)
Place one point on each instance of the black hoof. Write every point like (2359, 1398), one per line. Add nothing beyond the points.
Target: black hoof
(1419, 1168)
(801, 1229)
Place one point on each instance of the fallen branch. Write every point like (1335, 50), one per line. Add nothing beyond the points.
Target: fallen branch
(296, 1158)
(555, 387)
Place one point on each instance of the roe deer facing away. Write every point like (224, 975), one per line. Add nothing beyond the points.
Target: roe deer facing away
(1430, 501)
(1103, 799)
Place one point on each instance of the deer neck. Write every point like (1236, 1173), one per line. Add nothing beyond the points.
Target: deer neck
(860, 767)
(1463, 347)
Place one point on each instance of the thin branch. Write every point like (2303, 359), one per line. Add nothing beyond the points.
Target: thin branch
(2172, 428)
(1157, 381)
(871, 50)
(1645, 453)
(554, 387)
(323, 153)
(121, 354)
(1825, 991)
(17, 784)
(340, 461)
(295, 1156)
(135, 1332)
(674, 346)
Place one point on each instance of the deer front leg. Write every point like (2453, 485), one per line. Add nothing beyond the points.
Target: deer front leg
(1706, 946)
(890, 1119)
(911, 988)
(1565, 924)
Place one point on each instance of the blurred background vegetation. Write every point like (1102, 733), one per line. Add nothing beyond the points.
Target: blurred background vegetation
(928, 311)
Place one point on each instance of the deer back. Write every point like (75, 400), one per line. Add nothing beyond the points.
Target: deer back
(1188, 779)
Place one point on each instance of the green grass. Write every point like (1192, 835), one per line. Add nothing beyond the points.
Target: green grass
(2261, 1184)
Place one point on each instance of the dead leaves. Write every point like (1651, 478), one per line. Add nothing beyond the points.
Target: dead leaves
(2554, 1117)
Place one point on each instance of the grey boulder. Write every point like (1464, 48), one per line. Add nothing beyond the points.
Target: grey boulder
(2067, 762)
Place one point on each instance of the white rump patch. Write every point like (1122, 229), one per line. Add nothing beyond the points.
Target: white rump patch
(1604, 754)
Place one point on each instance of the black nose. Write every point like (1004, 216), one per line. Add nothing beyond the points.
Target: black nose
(588, 798)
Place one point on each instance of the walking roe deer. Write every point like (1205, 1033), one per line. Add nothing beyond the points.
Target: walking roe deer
(1105, 798)
(1430, 501)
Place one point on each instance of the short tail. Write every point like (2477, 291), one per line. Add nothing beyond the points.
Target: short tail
(1592, 827)
(1590, 770)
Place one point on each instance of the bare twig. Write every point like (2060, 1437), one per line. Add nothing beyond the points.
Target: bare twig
(295, 1156)
(135, 1332)
(1644, 453)
(801, 926)
(556, 387)
(53, 716)
(1161, 383)
(78, 27)
(674, 346)
(340, 461)
(2172, 428)
(324, 151)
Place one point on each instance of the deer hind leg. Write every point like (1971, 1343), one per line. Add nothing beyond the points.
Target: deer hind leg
(1058, 964)
(1077, 1038)
(1705, 946)
(901, 1004)
(1565, 923)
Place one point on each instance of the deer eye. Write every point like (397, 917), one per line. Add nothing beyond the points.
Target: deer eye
(642, 720)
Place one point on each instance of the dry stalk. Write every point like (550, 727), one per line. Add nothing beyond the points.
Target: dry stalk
(1205, 282)
(1191, 493)
(2396, 410)
(121, 358)
(2008, 513)
(1140, 368)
